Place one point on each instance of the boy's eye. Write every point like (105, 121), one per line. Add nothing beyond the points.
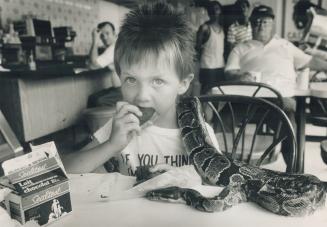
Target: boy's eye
(130, 80)
(158, 82)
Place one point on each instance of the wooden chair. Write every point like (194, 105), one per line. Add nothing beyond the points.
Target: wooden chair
(253, 89)
(239, 130)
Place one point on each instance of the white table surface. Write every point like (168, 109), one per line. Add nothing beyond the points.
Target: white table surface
(89, 210)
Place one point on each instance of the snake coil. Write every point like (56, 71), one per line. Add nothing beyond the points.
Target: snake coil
(281, 193)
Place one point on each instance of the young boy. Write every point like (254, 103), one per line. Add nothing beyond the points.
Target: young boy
(154, 58)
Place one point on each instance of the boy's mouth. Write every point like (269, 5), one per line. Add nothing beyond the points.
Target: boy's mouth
(148, 113)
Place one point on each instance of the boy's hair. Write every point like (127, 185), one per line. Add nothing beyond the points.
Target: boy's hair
(102, 24)
(155, 29)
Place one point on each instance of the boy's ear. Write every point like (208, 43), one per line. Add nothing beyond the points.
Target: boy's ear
(185, 83)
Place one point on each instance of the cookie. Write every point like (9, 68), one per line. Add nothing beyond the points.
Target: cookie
(147, 113)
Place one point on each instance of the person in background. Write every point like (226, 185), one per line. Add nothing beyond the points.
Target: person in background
(105, 32)
(210, 48)
(240, 30)
(275, 58)
(154, 58)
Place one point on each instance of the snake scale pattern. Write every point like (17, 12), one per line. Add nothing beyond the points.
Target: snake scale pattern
(281, 193)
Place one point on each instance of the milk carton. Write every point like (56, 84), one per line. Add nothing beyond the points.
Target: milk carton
(40, 186)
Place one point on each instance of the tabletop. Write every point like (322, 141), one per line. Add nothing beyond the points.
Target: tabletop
(90, 209)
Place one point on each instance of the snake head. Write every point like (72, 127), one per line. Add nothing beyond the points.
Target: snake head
(187, 104)
(170, 194)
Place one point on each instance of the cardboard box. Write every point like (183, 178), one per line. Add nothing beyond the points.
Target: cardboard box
(40, 186)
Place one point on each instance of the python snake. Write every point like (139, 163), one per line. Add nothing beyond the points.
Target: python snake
(281, 193)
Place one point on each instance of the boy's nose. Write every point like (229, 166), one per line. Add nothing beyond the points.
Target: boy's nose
(143, 94)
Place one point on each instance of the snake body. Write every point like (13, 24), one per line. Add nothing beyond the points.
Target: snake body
(281, 193)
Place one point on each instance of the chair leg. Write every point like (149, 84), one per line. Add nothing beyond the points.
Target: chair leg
(323, 151)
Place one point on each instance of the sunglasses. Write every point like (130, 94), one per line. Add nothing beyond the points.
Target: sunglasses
(262, 22)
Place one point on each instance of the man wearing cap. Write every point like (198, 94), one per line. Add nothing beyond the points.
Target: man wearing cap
(272, 57)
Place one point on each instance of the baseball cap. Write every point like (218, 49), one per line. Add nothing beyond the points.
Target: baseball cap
(262, 11)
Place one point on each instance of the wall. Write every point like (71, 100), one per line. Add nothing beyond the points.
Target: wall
(291, 32)
(111, 12)
(82, 15)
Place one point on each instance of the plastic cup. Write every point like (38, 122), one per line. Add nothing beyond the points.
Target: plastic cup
(302, 79)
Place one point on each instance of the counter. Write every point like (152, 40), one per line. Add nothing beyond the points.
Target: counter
(51, 98)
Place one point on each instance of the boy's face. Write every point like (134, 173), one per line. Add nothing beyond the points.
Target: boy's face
(148, 84)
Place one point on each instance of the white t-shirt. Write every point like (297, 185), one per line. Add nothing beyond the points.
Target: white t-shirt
(153, 146)
(213, 50)
(276, 61)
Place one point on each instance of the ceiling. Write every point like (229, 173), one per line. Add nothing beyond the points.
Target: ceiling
(134, 3)
(126, 3)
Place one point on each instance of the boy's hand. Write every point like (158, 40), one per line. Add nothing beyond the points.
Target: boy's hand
(125, 124)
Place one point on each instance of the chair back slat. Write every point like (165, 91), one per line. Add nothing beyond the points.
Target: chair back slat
(233, 120)
(241, 131)
(243, 146)
(270, 149)
(220, 121)
(221, 90)
(258, 127)
(256, 91)
(322, 106)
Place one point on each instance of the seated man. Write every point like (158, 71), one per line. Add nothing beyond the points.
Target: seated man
(276, 59)
(105, 32)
